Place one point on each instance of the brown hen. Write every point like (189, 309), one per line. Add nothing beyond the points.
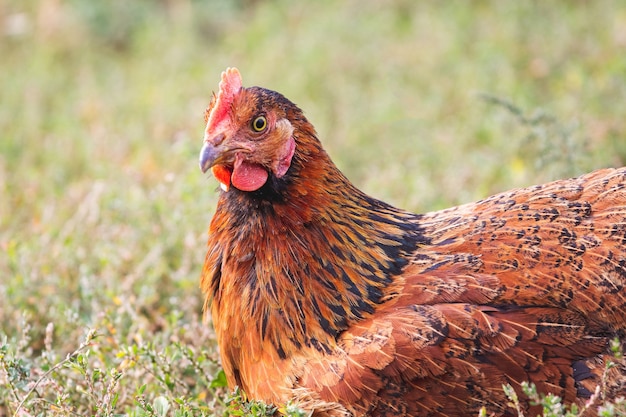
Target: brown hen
(347, 306)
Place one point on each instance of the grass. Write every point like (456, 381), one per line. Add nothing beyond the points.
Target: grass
(104, 212)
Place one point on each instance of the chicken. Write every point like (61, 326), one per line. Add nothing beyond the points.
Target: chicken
(340, 303)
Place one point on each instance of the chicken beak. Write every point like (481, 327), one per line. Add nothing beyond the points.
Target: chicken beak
(211, 155)
(211, 151)
(208, 155)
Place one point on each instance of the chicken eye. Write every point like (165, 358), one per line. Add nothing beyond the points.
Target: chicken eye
(259, 124)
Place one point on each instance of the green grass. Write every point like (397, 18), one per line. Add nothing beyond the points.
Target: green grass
(104, 211)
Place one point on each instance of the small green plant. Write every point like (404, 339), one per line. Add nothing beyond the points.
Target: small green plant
(171, 378)
(237, 405)
(547, 143)
(553, 406)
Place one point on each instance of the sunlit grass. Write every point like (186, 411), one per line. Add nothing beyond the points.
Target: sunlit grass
(104, 212)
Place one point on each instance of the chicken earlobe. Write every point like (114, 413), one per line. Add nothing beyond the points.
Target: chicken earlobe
(283, 162)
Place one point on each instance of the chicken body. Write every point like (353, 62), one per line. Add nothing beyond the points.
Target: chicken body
(324, 296)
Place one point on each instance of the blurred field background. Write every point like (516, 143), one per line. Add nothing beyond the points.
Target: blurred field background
(103, 210)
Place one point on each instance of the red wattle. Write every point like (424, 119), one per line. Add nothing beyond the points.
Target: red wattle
(222, 174)
(248, 177)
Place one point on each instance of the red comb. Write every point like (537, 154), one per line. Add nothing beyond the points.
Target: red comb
(229, 88)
